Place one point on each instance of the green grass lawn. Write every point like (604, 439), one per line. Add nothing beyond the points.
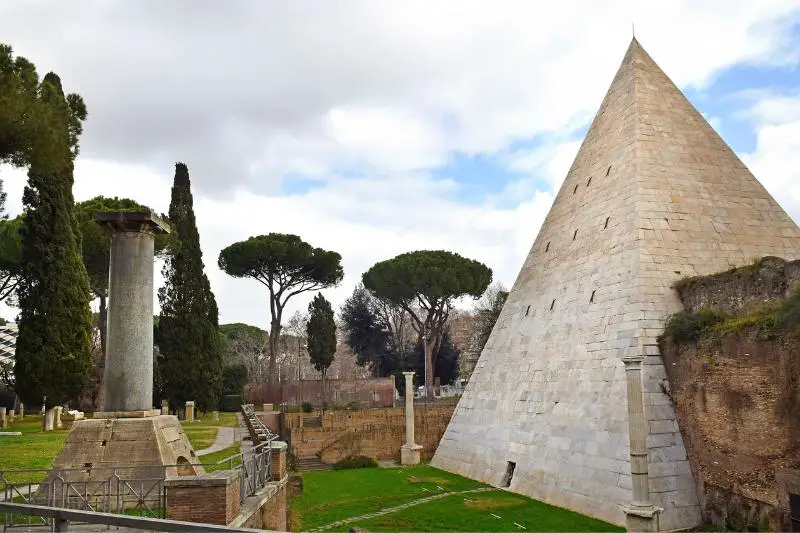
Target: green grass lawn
(34, 449)
(480, 512)
(201, 437)
(201, 419)
(220, 455)
(330, 496)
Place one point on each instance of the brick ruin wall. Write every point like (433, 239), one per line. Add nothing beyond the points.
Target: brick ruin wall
(737, 397)
(376, 433)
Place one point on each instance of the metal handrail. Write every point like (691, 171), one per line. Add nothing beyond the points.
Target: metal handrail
(62, 516)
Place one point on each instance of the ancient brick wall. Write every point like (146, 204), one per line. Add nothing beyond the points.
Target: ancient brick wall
(737, 396)
(741, 290)
(376, 433)
(372, 392)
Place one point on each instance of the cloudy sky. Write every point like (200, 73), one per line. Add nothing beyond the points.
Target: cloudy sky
(376, 128)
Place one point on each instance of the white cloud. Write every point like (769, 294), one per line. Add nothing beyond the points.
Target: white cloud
(776, 158)
(248, 92)
(251, 92)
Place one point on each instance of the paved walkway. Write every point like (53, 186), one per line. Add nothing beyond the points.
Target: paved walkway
(225, 438)
(399, 508)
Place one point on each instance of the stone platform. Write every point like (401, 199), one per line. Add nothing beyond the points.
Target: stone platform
(145, 448)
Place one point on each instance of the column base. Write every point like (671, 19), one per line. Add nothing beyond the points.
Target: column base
(409, 455)
(144, 413)
(641, 519)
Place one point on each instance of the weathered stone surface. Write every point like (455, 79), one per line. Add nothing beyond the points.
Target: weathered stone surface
(654, 195)
(128, 374)
(136, 443)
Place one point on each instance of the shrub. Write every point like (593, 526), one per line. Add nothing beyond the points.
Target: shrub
(307, 407)
(231, 403)
(357, 461)
(353, 406)
(684, 327)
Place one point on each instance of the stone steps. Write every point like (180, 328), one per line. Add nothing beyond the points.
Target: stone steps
(308, 464)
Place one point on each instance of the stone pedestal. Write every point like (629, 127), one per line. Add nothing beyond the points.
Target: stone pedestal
(410, 455)
(164, 407)
(3, 419)
(215, 416)
(21, 410)
(640, 515)
(10, 416)
(410, 451)
(128, 378)
(189, 412)
(58, 423)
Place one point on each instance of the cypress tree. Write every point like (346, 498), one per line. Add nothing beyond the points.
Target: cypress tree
(53, 352)
(190, 363)
(321, 335)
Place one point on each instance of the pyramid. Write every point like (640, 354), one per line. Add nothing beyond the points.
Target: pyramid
(654, 195)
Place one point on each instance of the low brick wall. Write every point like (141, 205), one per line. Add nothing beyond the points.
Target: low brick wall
(210, 498)
(376, 433)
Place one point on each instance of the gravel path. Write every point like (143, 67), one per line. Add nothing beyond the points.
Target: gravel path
(225, 438)
(399, 508)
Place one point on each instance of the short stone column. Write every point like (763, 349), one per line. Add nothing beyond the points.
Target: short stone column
(21, 410)
(58, 423)
(189, 411)
(641, 514)
(128, 375)
(164, 407)
(215, 416)
(48, 420)
(10, 416)
(3, 418)
(410, 451)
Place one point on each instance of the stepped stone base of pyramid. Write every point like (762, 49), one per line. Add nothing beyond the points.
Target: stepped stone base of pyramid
(146, 449)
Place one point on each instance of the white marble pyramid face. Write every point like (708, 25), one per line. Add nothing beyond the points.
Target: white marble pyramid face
(654, 195)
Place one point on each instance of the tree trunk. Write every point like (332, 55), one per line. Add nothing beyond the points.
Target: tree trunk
(102, 318)
(428, 348)
(324, 396)
(274, 338)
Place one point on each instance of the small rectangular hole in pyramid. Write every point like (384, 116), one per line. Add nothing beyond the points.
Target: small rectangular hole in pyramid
(574, 235)
(547, 248)
(528, 310)
(589, 181)
(591, 298)
(575, 190)
(606, 224)
(552, 304)
(609, 170)
(510, 466)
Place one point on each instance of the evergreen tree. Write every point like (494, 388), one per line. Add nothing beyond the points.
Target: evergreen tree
(190, 367)
(321, 334)
(53, 352)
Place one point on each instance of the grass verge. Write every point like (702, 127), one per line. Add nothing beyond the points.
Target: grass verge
(34, 449)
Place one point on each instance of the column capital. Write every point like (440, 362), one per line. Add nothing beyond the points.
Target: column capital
(409, 374)
(633, 362)
(132, 221)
